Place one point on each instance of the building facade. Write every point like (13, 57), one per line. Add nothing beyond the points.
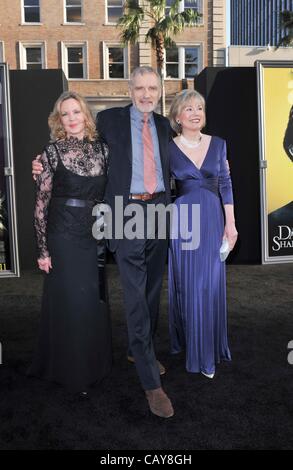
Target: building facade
(82, 38)
(257, 22)
(256, 30)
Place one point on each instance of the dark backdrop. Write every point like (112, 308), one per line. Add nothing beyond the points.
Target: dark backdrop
(231, 96)
(33, 94)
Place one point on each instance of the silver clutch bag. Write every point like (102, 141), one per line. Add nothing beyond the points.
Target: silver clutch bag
(224, 250)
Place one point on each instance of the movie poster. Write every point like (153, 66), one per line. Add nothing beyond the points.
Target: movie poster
(275, 92)
(8, 235)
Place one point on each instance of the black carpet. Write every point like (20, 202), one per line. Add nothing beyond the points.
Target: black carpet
(248, 405)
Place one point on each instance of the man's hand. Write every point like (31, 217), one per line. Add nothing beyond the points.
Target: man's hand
(45, 264)
(37, 167)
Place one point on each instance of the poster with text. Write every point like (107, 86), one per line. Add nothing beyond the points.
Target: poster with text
(275, 100)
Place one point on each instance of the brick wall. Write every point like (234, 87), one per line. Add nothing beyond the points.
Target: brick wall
(52, 31)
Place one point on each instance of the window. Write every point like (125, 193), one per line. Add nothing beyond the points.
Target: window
(190, 62)
(114, 10)
(32, 56)
(31, 11)
(182, 62)
(168, 6)
(73, 13)
(74, 60)
(172, 63)
(196, 6)
(192, 4)
(115, 61)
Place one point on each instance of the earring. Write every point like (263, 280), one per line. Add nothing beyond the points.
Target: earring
(178, 122)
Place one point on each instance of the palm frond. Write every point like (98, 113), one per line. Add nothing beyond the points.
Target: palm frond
(168, 42)
(178, 22)
(286, 20)
(286, 41)
(129, 29)
(191, 17)
(152, 36)
(175, 7)
(130, 22)
(131, 8)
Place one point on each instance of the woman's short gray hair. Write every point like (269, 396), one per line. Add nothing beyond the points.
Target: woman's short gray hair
(178, 102)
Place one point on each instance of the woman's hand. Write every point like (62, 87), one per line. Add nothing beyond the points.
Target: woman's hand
(231, 234)
(37, 167)
(45, 264)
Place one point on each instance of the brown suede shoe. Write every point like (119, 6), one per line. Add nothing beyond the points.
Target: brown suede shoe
(159, 403)
(162, 369)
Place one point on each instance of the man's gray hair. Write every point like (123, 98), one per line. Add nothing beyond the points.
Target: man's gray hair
(142, 71)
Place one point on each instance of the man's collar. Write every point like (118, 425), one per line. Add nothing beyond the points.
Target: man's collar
(137, 114)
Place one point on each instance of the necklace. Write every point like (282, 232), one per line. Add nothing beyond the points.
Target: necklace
(189, 143)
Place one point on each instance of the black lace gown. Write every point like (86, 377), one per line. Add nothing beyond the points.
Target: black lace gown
(74, 347)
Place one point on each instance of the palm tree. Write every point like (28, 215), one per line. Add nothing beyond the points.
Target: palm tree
(286, 20)
(163, 27)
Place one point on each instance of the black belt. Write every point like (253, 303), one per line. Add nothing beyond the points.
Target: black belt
(145, 196)
(75, 202)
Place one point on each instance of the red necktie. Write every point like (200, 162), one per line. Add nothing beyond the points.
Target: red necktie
(149, 165)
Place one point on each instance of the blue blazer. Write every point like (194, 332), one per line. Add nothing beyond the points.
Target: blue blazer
(113, 126)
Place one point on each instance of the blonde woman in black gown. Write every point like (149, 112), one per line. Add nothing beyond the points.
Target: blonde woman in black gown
(74, 347)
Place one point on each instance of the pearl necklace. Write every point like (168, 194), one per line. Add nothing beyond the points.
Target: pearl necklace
(191, 144)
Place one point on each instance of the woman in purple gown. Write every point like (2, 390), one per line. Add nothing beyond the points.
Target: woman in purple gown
(197, 278)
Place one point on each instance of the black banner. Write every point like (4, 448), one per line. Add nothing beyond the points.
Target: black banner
(8, 236)
(4, 237)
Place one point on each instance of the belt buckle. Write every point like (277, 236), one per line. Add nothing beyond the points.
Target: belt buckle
(143, 197)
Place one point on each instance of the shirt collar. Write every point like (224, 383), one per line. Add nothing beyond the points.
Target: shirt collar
(138, 115)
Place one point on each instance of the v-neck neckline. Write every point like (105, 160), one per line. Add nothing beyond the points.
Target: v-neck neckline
(191, 161)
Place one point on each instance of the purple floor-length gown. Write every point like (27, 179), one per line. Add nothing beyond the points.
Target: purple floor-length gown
(197, 278)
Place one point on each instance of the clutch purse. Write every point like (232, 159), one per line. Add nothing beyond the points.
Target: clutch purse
(224, 250)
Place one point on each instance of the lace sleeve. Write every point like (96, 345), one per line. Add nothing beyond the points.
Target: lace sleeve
(44, 185)
(105, 150)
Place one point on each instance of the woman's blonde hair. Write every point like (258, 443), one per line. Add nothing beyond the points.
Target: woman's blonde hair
(54, 120)
(178, 102)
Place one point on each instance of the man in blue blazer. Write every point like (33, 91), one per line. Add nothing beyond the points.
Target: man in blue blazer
(141, 261)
